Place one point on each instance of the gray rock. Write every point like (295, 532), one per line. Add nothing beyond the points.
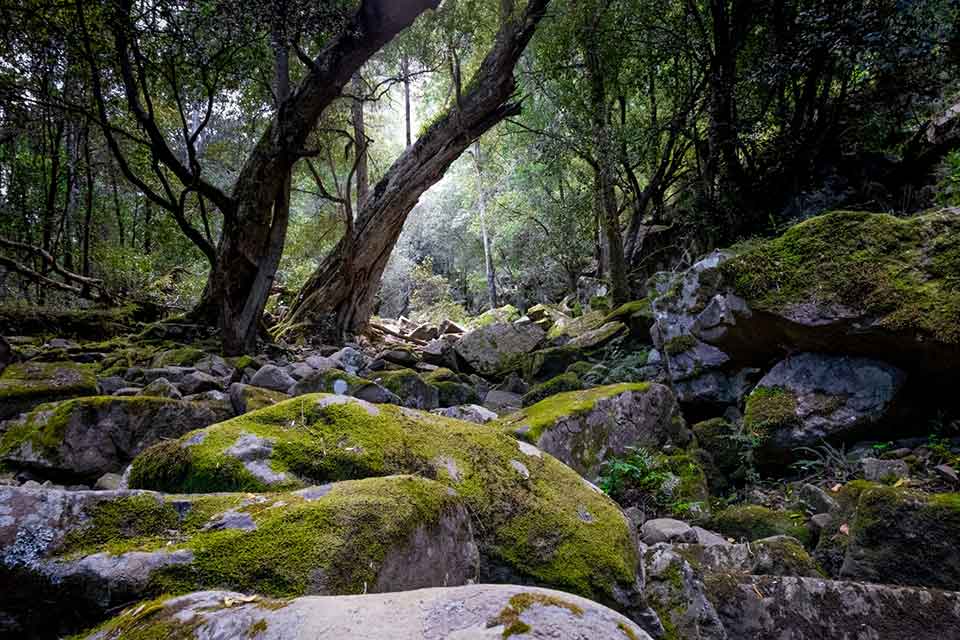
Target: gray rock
(502, 401)
(674, 589)
(663, 530)
(321, 363)
(175, 375)
(475, 612)
(110, 482)
(270, 376)
(489, 350)
(110, 384)
(300, 370)
(200, 382)
(161, 388)
(97, 437)
(214, 365)
(877, 470)
(615, 420)
(126, 392)
(816, 499)
(816, 397)
(350, 360)
(469, 412)
(775, 608)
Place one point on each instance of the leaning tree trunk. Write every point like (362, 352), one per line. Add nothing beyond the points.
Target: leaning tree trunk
(255, 231)
(343, 288)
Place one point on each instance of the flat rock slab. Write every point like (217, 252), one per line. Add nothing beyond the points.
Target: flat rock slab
(477, 612)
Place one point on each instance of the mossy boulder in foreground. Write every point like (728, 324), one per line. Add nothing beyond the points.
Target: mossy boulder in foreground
(477, 611)
(91, 551)
(24, 386)
(83, 438)
(535, 519)
(584, 428)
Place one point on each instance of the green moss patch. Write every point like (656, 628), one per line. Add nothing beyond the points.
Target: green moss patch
(509, 617)
(753, 522)
(546, 523)
(769, 409)
(905, 272)
(557, 384)
(537, 418)
(25, 385)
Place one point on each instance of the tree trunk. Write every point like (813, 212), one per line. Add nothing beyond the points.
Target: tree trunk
(405, 69)
(360, 141)
(254, 233)
(343, 288)
(88, 210)
(605, 159)
(487, 243)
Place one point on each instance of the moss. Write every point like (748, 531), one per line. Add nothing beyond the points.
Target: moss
(258, 397)
(450, 394)
(442, 374)
(342, 537)
(46, 426)
(504, 314)
(901, 271)
(551, 526)
(787, 557)
(546, 363)
(753, 522)
(557, 384)
(77, 323)
(113, 524)
(183, 356)
(509, 617)
(627, 631)
(769, 409)
(679, 344)
(624, 312)
(576, 326)
(580, 368)
(242, 362)
(25, 385)
(149, 620)
(258, 627)
(537, 418)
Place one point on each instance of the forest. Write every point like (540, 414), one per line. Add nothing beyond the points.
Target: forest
(480, 319)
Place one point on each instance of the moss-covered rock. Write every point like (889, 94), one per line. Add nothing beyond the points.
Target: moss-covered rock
(752, 522)
(497, 349)
(534, 517)
(84, 438)
(343, 383)
(26, 385)
(246, 397)
(412, 390)
(567, 329)
(584, 428)
(182, 356)
(91, 324)
(719, 441)
(557, 384)
(500, 315)
(372, 535)
(903, 536)
(497, 611)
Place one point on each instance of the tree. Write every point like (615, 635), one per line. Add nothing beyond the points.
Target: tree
(344, 286)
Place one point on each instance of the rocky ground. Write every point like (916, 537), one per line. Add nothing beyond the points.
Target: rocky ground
(764, 447)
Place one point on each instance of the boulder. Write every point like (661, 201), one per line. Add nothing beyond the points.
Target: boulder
(871, 285)
(441, 352)
(450, 327)
(412, 390)
(495, 348)
(343, 383)
(350, 360)
(773, 608)
(596, 338)
(894, 535)
(535, 519)
(87, 437)
(584, 428)
(400, 356)
(161, 388)
(270, 376)
(675, 591)
(565, 328)
(24, 386)
(468, 412)
(502, 402)
(425, 332)
(321, 363)
(469, 612)
(813, 397)
(888, 471)
(88, 553)
(501, 315)
(557, 384)
(751, 522)
(245, 397)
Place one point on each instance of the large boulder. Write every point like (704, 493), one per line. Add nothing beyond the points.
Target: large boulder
(91, 551)
(342, 383)
(84, 438)
(896, 535)
(26, 385)
(810, 397)
(871, 285)
(471, 612)
(584, 428)
(535, 519)
(412, 390)
(773, 608)
(495, 348)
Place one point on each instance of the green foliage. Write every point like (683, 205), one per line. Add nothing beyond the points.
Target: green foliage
(826, 463)
(431, 299)
(657, 483)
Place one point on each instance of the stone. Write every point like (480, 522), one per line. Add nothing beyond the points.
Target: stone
(377, 535)
(887, 471)
(469, 412)
(584, 428)
(816, 499)
(87, 437)
(245, 397)
(343, 383)
(774, 607)
(676, 592)
(174, 374)
(215, 365)
(110, 482)
(663, 530)
(272, 377)
(595, 338)
(425, 332)
(109, 385)
(502, 402)
(321, 363)
(161, 388)
(812, 397)
(495, 348)
(26, 385)
(350, 360)
(552, 527)
(412, 390)
(450, 327)
(300, 370)
(475, 612)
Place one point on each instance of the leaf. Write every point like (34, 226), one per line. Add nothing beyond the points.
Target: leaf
(230, 601)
